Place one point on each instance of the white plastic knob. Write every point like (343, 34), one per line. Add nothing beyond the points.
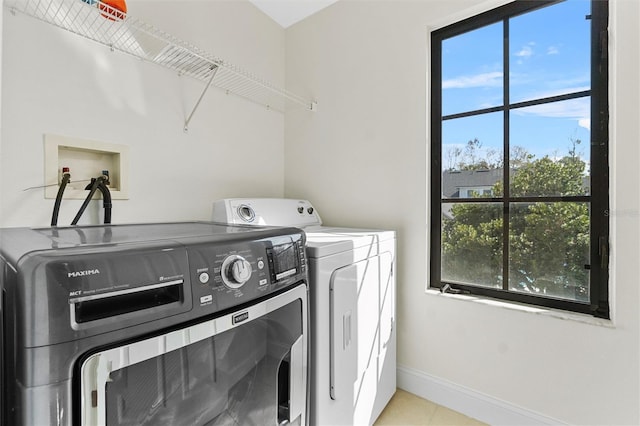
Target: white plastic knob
(241, 271)
(236, 271)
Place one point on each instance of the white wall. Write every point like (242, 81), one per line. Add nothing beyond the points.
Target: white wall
(361, 160)
(55, 82)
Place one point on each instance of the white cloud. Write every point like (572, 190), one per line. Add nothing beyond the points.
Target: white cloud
(552, 50)
(489, 79)
(565, 87)
(585, 122)
(574, 109)
(525, 52)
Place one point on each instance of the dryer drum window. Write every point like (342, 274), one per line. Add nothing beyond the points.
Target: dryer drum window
(219, 378)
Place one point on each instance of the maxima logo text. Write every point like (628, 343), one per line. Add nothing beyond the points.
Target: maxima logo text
(75, 274)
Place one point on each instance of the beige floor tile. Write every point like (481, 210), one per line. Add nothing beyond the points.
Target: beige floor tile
(406, 409)
(446, 417)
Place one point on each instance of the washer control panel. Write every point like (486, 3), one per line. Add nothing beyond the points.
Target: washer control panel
(266, 211)
(229, 275)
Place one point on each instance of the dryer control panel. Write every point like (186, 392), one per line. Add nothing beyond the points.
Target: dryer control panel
(230, 275)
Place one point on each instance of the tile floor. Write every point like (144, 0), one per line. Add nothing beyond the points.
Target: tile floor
(406, 409)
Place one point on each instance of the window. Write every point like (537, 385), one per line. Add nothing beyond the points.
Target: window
(519, 146)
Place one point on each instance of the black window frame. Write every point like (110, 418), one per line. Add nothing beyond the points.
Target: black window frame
(598, 305)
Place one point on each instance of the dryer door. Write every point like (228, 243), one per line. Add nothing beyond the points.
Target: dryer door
(248, 367)
(355, 339)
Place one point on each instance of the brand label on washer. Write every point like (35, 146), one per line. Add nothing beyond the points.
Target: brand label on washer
(240, 317)
(86, 272)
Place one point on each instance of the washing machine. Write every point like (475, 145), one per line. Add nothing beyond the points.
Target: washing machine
(187, 323)
(352, 304)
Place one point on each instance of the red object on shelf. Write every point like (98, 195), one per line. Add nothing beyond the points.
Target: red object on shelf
(113, 9)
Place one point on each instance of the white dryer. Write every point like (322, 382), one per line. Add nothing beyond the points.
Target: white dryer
(352, 305)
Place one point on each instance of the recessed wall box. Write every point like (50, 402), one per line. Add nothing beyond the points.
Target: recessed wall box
(85, 159)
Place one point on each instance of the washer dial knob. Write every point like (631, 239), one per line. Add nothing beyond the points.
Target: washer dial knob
(236, 270)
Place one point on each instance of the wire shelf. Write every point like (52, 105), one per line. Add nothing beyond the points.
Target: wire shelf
(108, 26)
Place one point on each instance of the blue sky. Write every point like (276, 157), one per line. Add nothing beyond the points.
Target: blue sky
(548, 55)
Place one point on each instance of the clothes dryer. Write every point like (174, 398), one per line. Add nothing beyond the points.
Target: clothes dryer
(153, 324)
(352, 304)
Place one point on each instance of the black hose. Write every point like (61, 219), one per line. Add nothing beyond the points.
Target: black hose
(66, 177)
(92, 187)
(106, 200)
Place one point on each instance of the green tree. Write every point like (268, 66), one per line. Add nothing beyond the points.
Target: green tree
(472, 244)
(545, 177)
(549, 246)
(548, 241)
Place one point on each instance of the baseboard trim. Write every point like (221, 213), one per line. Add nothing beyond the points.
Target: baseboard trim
(471, 403)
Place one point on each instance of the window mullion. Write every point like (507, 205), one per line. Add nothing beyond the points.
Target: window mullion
(505, 154)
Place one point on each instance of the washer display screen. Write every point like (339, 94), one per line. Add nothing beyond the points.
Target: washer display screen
(285, 260)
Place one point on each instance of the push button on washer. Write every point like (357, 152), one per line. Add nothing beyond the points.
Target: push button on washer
(204, 278)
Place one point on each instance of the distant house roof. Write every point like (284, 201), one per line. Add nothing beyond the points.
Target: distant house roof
(452, 181)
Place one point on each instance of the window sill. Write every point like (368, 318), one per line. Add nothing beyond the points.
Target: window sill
(536, 310)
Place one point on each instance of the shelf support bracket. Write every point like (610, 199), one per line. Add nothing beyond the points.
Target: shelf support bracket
(214, 70)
